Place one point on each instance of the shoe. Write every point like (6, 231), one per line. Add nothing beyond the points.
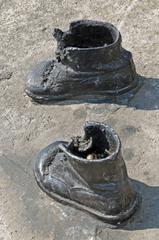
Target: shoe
(90, 64)
(89, 174)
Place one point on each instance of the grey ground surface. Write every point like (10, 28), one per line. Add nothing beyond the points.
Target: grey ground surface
(25, 39)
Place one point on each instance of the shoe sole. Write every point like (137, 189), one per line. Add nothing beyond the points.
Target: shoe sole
(97, 96)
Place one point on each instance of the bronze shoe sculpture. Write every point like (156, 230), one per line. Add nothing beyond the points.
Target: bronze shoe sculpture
(89, 173)
(90, 64)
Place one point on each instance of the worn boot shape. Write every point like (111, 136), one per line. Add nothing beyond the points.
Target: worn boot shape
(89, 173)
(90, 64)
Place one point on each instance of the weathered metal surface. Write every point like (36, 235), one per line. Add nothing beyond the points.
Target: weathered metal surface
(90, 62)
(99, 185)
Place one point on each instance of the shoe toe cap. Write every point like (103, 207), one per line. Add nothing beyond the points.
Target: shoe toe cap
(36, 80)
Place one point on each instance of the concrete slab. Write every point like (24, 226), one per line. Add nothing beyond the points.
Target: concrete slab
(26, 26)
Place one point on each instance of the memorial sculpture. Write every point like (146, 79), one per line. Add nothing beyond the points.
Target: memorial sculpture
(89, 173)
(90, 64)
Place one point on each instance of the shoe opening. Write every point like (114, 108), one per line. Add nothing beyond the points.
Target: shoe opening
(89, 37)
(86, 34)
(94, 144)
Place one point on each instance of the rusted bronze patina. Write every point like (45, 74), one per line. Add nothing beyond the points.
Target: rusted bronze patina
(89, 173)
(90, 64)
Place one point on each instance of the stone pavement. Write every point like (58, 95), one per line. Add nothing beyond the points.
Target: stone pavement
(25, 39)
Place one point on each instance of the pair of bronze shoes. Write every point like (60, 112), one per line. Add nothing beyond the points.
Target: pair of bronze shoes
(89, 173)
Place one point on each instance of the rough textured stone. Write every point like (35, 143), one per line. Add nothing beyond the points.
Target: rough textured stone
(26, 212)
(4, 73)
